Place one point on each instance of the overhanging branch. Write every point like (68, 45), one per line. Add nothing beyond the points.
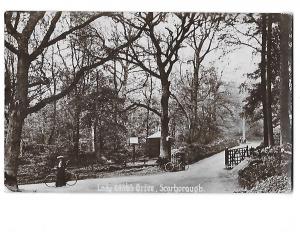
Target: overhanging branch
(180, 105)
(11, 47)
(46, 42)
(138, 104)
(79, 74)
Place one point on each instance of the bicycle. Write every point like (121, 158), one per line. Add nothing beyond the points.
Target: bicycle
(50, 179)
(170, 167)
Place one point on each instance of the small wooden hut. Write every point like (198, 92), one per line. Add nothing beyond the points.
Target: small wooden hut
(153, 144)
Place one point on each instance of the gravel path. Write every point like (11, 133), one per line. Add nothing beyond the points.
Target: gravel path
(207, 175)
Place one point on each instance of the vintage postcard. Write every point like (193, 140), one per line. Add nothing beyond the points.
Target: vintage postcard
(148, 102)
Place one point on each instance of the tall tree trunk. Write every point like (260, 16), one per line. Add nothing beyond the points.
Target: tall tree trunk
(164, 144)
(93, 137)
(147, 122)
(53, 129)
(76, 130)
(148, 109)
(16, 120)
(263, 78)
(97, 122)
(244, 128)
(125, 67)
(268, 83)
(285, 94)
(194, 100)
(96, 137)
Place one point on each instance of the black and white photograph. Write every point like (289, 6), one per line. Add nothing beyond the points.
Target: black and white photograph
(148, 102)
(161, 115)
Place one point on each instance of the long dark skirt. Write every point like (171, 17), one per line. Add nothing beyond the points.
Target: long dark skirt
(60, 177)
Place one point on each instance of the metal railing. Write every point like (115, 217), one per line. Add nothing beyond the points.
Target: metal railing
(236, 155)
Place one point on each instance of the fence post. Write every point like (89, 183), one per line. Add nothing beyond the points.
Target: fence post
(226, 157)
(251, 150)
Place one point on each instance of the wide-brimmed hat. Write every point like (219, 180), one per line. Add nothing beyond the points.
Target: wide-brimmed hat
(60, 157)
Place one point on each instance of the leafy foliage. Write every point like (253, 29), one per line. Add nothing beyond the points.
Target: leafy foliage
(266, 167)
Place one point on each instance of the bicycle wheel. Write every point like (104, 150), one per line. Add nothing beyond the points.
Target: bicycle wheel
(49, 181)
(169, 167)
(71, 178)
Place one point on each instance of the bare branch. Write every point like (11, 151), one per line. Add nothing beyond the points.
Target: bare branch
(79, 74)
(138, 104)
(67, 90)
(62, 36)
(11, 47)
(180, 105)
(33, 20)
(46, 38)
(10, 29)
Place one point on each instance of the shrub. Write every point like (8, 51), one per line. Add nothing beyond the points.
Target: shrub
(277, 184)
(266, 164)
(196, 151)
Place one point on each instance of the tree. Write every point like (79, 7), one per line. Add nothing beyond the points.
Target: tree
(165, 45)
(21, 31)
(263, 78)
(202, 41)
(262, 38)
(269, 81)
(285, 76)
(217, 104)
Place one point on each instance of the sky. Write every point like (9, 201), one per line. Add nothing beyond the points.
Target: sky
(237, 64)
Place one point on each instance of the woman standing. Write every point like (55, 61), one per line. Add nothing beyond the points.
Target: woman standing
(61, 172)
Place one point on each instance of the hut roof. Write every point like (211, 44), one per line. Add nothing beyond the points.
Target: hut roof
(155, 135)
